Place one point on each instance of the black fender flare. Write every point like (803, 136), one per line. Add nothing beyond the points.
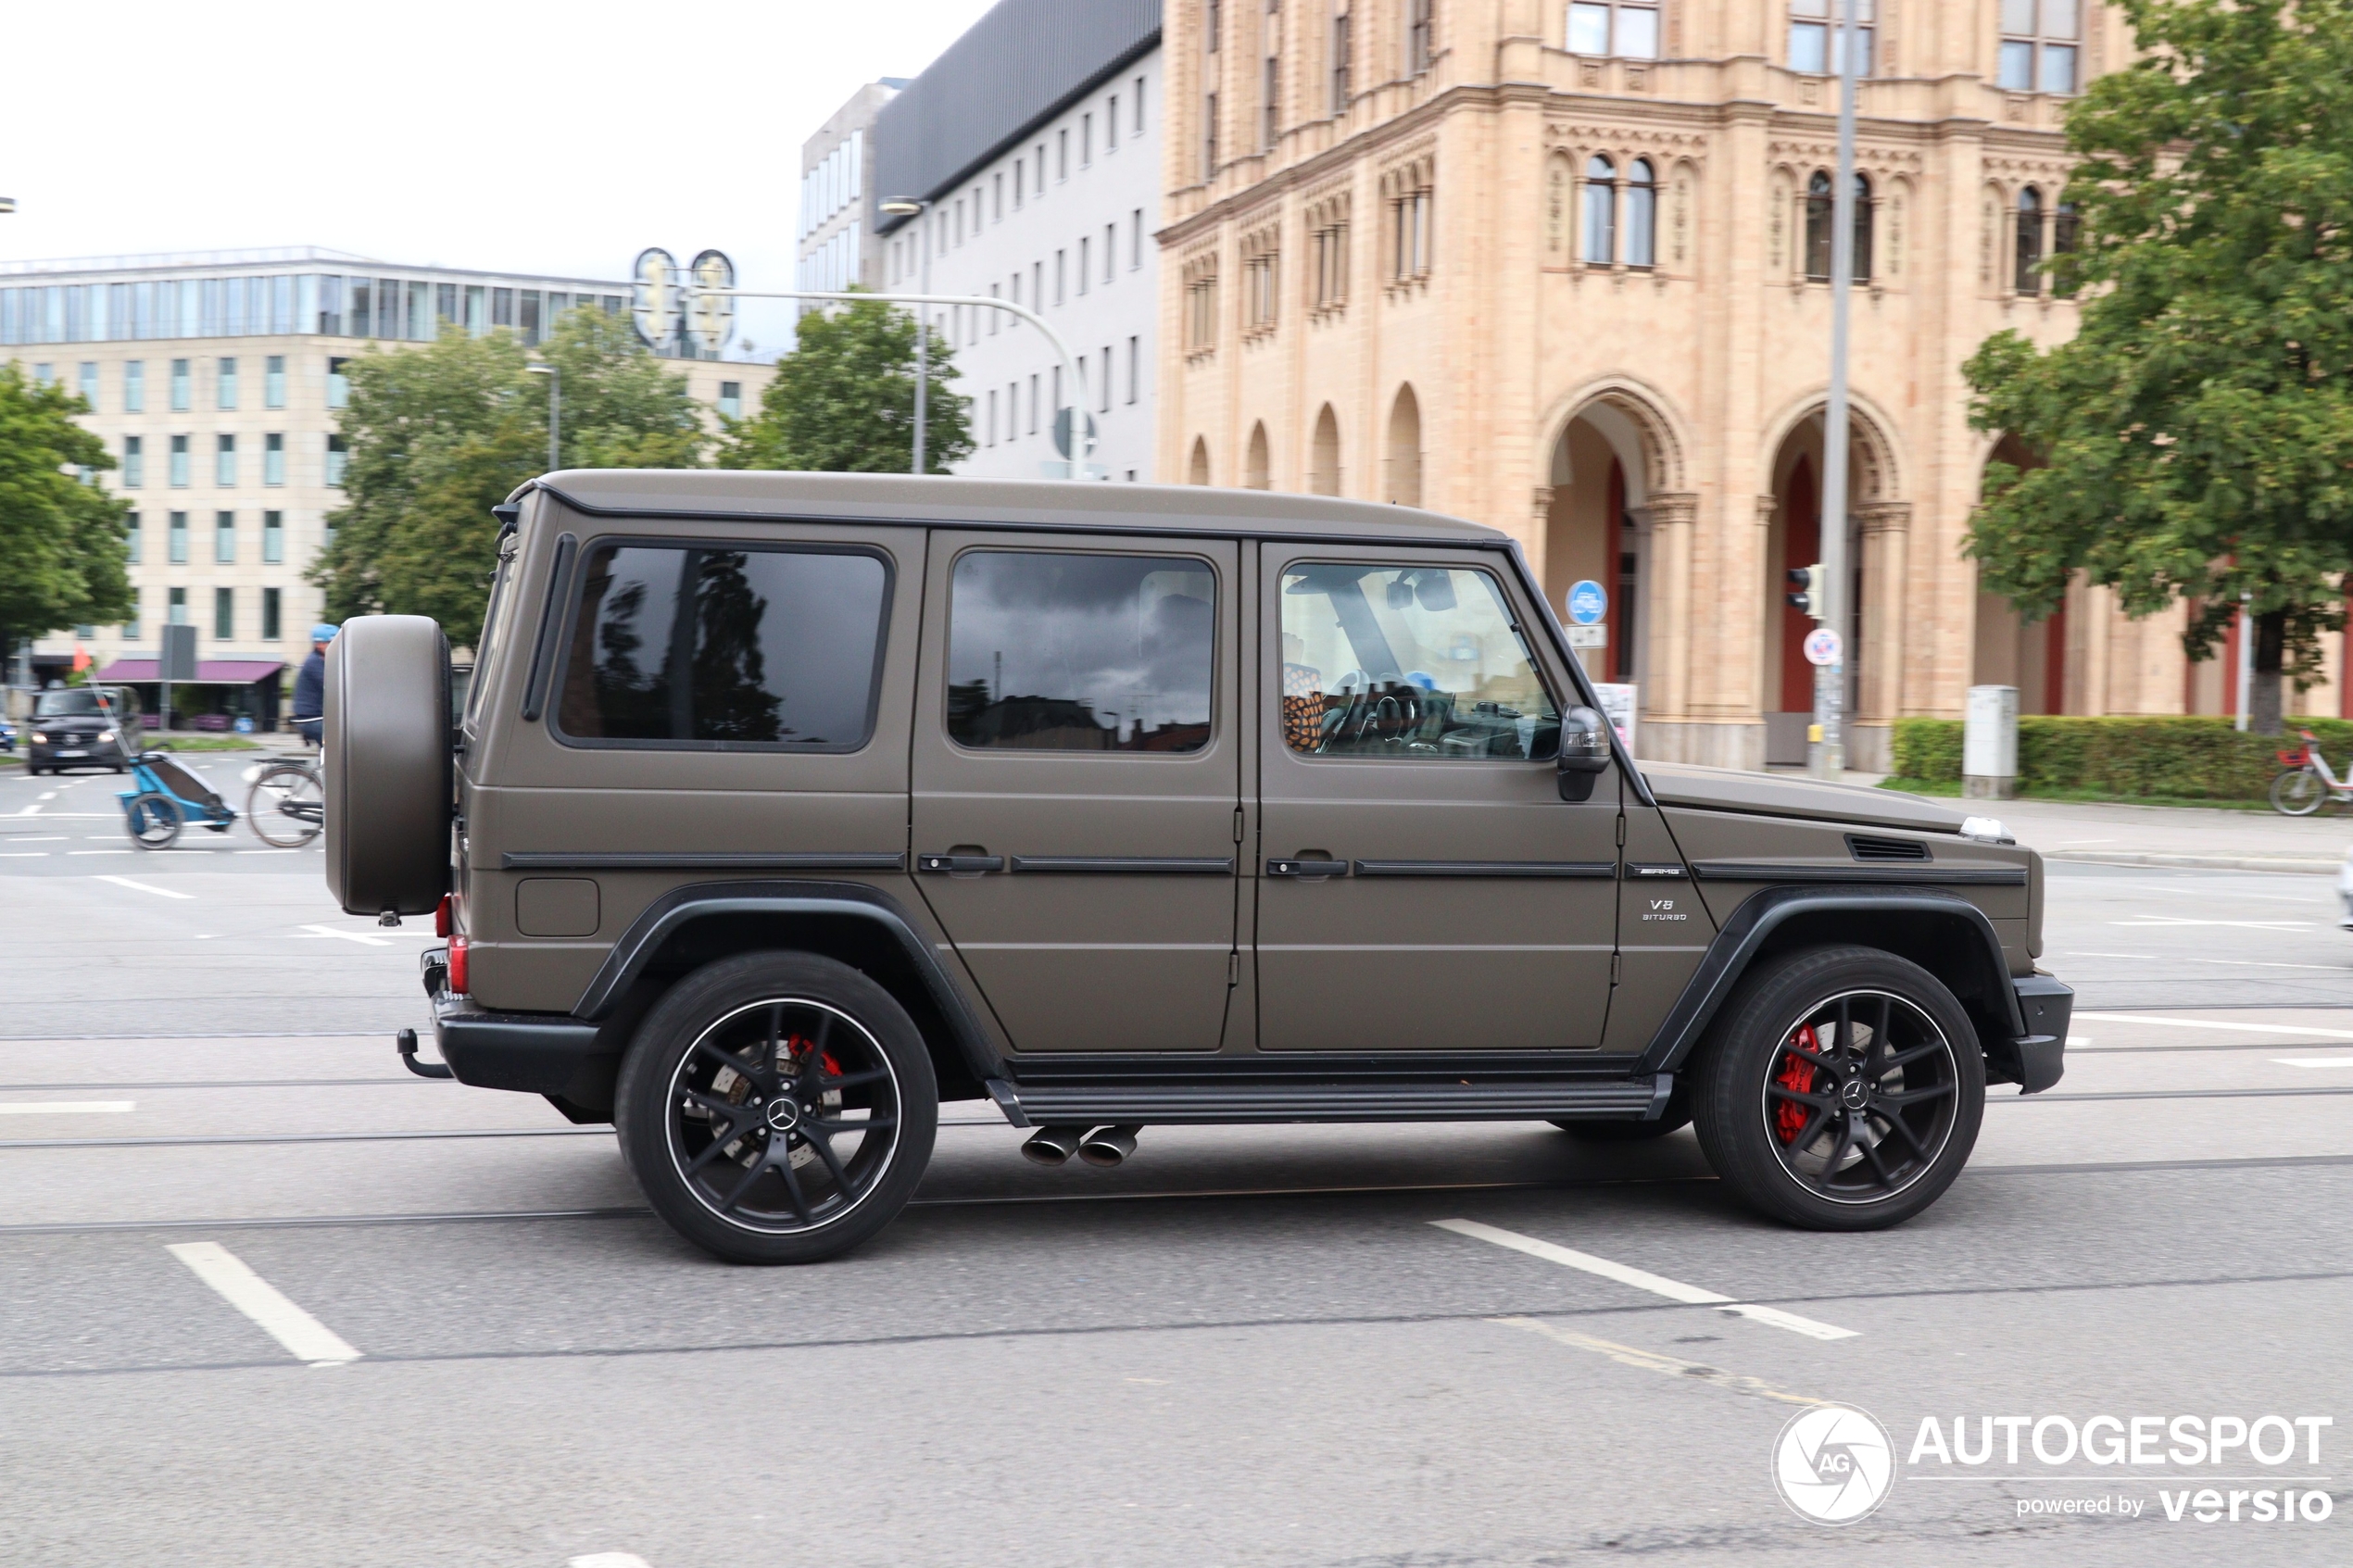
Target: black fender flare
(826, 900)
(1763, 912)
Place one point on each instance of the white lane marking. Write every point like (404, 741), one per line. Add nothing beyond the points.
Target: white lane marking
(610, 1559)
(2216, 1023)
(363, 940)
(109, 852)
(2169, 921)
(64, 1107)
(141, 887)
(39, 838)
(2314, 1061)
(304, 1336)
(51, 795)
(25, 855)
(2193, 958)
(1642, 1279)
(1651, 1360)
(31, 810)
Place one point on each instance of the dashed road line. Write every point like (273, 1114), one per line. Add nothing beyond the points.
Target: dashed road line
(610, 1559)
(65, 1106)
(361, 937)
(1654, 1360)
(141, 887)
(1642, 1279)
(2314, 1061)
(2215, 1023)
(305, 1337)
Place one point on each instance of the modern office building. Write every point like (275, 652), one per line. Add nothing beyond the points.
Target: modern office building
(1035, 139)
(215, 381)
(1564, 269)
(835, 243)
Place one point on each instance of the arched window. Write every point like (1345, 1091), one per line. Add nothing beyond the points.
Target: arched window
(1819, 205)
(2066, 239)
(1600, 212)
(1323, 472)
(1642, 214)
(1863, 209)
(1405, 463)
(1259, 474)
(1197, 473)
(2030, 241)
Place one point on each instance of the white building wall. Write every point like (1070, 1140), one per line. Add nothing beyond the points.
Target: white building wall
(1081, 242)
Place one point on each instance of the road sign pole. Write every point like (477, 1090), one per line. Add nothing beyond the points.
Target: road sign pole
(1827, 755)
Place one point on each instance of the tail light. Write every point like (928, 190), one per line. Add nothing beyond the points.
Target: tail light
(458, 977)
(445, 915)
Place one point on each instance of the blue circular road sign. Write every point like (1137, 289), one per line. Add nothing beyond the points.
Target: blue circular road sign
(1588, 602)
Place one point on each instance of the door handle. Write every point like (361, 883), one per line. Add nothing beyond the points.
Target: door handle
(1311, 870)
(960, 865)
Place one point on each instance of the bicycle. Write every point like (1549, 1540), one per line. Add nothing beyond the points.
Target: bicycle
(2305, 783)
(285, 804)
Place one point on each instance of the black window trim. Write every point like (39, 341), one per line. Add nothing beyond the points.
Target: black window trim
(948, 632)
(562, 662)
(1517, 622)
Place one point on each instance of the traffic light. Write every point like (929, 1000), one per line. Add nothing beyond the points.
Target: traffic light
(1810, 582)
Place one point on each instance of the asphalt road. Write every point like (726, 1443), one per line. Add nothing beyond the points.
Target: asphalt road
(1246, 1345)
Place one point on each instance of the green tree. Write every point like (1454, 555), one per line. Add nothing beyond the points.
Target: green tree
(62, 543)
(844, 400)
(438, 435)
(2196, 433)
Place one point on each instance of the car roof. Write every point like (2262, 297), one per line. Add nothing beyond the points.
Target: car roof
(997, 503)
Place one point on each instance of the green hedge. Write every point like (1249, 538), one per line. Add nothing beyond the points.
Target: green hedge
(2182, 759)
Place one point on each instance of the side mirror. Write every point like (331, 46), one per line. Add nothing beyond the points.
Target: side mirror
(1584, 752)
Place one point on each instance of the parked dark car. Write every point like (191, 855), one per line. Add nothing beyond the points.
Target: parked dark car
(81, 727)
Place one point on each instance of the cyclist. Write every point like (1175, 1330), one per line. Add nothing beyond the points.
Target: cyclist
(311, 685)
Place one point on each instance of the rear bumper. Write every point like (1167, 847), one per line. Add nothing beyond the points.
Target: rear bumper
(2046, 1005)
(534, 1053)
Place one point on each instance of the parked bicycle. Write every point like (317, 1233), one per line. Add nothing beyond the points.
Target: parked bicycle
(285, 804)
(2305, 782)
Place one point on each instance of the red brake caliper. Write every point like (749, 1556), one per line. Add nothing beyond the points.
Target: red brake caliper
(1796, 1075)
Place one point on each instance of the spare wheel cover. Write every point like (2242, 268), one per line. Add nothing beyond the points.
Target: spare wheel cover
(386, 764)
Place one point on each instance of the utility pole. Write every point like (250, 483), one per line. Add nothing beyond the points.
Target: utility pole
(919, 209)
(1827, 753)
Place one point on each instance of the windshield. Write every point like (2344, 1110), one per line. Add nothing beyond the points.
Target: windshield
(80, 703)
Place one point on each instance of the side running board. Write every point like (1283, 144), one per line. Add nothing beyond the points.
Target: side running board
(1042, 1105)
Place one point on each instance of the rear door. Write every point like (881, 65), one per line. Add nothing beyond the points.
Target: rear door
(1077, 783)
(1422, 885)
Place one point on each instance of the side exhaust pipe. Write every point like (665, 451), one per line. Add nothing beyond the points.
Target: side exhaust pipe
(1052, 1146)
(1106, 1147)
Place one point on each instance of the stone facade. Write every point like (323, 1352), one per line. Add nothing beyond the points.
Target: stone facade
(1576, 296)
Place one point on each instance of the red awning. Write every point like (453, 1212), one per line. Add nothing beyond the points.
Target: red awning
(210, 671)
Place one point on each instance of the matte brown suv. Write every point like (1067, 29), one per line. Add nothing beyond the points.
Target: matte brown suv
(784, 806)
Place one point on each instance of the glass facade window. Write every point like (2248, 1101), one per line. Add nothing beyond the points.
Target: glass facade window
(133, 538)
(135, 387)
(130, 632)
(445, 306)
(273, 459)
(273, 381)
(731, 399)
(1600, 212)
(86, 382)
(134, 461)
(2040, 39)
(178, 462)
(273, 542)
(225, 461)
(338, 383)
(183, 387)
(527, 317)
(225, 538)
(177, 544)
(477, 309)
(329, 314)
(224, 386)
(43, 372)
(273, 614)
(502, 308)
(337, 455)
(1814, 44)
(224, 614)
(360, 316)
(179, 602)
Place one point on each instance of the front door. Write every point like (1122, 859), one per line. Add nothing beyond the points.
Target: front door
(1422, 885)
(1077, 783)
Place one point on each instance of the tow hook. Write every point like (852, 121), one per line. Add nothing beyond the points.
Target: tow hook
(406, 1044)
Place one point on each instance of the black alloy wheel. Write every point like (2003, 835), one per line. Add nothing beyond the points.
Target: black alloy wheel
(777, 1107)
(1842, 1089)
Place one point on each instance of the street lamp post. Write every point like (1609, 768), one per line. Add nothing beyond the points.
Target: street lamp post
(1828, 754)
(554, 412)
(919, 209)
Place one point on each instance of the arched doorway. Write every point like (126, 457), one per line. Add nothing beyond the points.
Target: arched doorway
(1323, 468)
(1795, 539)
(1259, 475)
(2030, 654)
(1196, 472)
(1401, 470)
(1594, 531)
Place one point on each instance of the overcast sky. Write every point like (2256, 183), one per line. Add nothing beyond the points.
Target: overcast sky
(483, 134)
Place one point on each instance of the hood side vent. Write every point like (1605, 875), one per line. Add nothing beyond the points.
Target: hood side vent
(1882, 849)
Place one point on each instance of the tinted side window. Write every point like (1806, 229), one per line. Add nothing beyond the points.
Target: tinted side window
(697, 644)
(1059, 652)
(1408, 663)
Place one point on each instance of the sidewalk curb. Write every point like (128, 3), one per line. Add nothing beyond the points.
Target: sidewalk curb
(2306, 867)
